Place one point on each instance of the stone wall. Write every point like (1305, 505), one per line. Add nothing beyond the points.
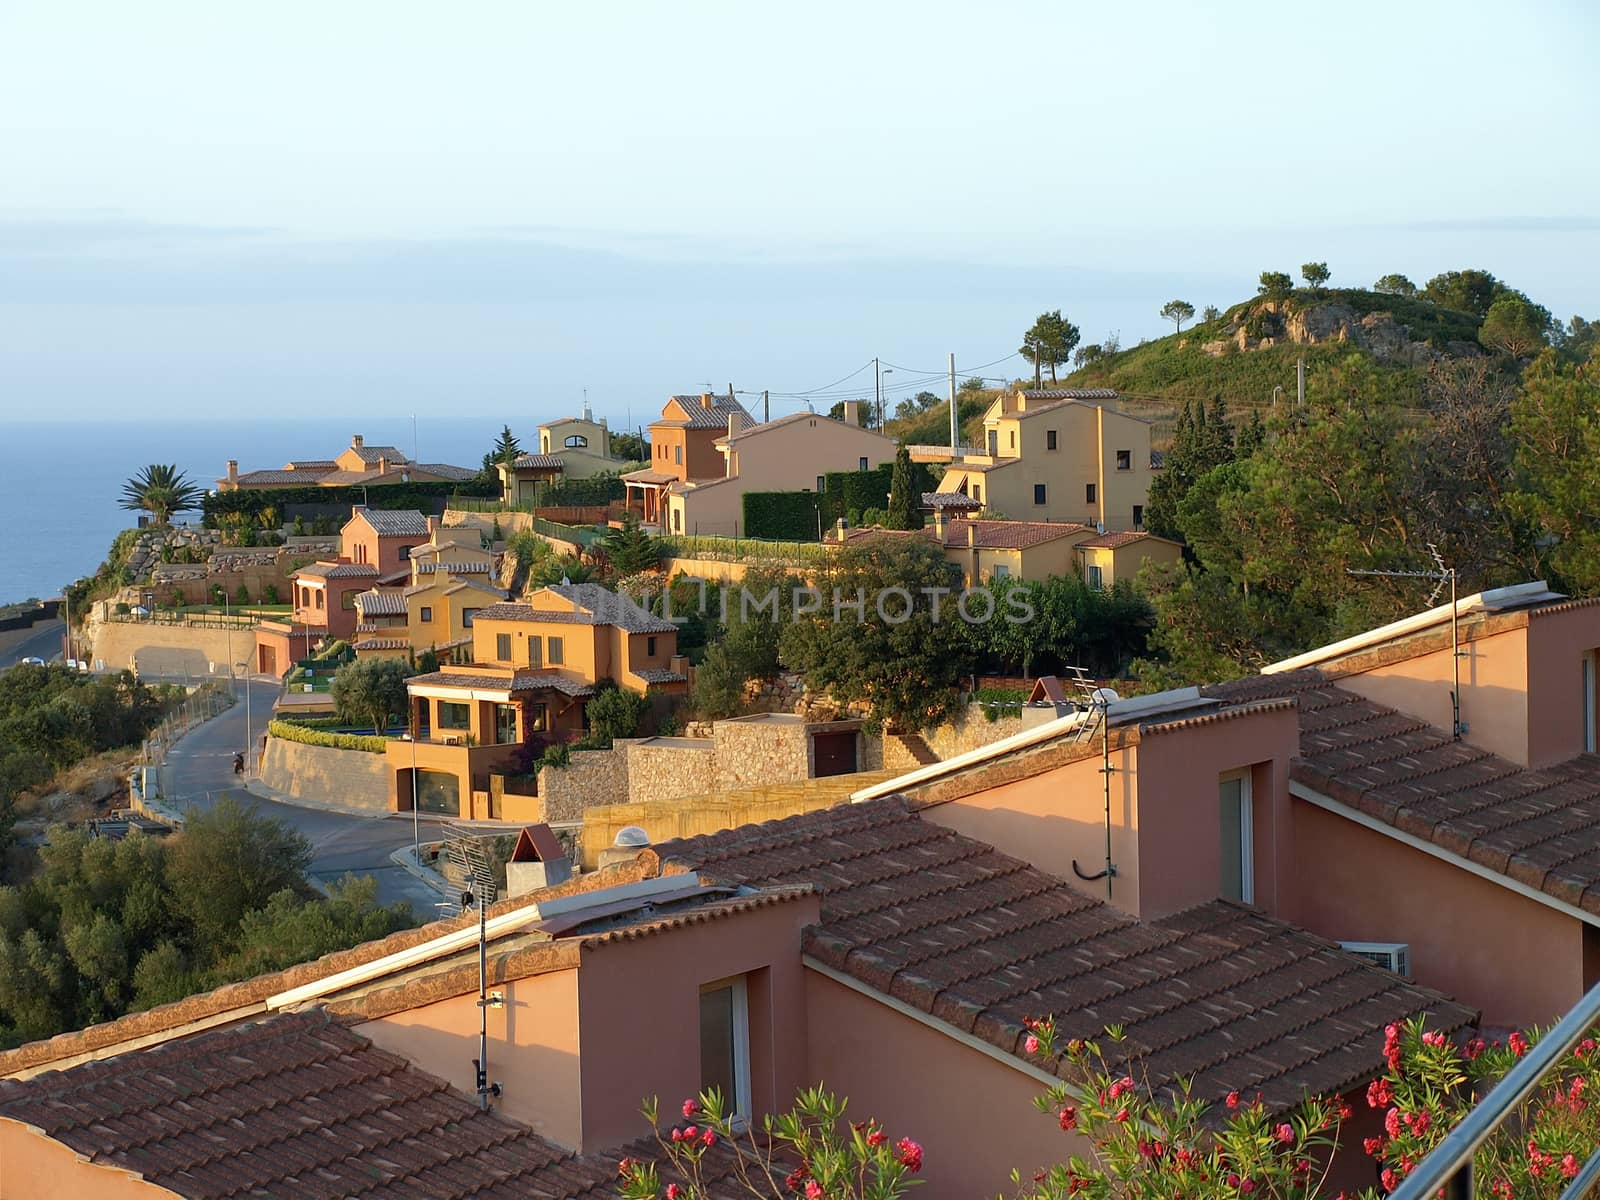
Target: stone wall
(321, 774)
(969, 731)
(754, 751)
(591, 777)
(176, 650)
(669, 769)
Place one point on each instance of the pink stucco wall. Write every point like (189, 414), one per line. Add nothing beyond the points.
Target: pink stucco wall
(1517, 960)
(33, 1167)
(640, 1015)
(1557, 645)
(533, 1049)
(1165, 819)
(973, 1115)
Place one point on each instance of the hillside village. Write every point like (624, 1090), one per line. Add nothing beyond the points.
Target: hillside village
(1235, 693)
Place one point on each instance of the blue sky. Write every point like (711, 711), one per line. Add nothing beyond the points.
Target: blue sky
(321, 209)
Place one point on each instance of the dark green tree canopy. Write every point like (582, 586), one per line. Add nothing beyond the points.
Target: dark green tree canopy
(161, 490)
(1465, 291)
(1049, 342)
(905, 508)
(630, 549)
(1395, 285)
(1275, 285)
(1316, 275)
(1177, 311)
(1516, 326)
(371, 690)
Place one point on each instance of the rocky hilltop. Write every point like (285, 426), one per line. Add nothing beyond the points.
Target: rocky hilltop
(1268, 323)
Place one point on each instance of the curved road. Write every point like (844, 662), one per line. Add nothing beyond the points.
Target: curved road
(43, 642)
(200, 772)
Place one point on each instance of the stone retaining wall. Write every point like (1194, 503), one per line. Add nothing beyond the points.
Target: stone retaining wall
(346, 778)
(592, 777)
(750, 753)
(663, 773)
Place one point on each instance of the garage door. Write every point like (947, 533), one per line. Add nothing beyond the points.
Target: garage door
(834, 753)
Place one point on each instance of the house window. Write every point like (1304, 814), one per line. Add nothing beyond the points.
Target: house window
(821, 485)
(425, 614)
(977, 492)
(305, 597)
(534, 647)
(1091, 576)
(319, 597)
(468, 615)
(1089, 493)
(677, 455)
(1049, 439)
(1001, 571)
(649, 647)
(1038, 493)
(1233, 794)
(454, 716)
(405, 552)
(1138, 516)
(505, 724)
(347, 600)
(677, 520)
(725, 1044)
(502, 647)
(538, 718)
(1013, 439)
(863, 462)
(577, 442)
(556, 652)
(1590, 736)
(1124, 460)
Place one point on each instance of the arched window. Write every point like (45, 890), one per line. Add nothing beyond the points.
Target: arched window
(577, 442)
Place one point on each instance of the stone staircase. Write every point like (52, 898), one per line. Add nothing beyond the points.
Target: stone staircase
(907, 748)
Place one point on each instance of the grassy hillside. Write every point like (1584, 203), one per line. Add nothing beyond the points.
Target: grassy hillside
(1158, 376)
(932, 428)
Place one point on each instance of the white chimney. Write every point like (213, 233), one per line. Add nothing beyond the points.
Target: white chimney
(736, 422)
(852, 412)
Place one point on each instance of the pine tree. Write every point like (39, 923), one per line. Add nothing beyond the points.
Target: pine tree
(904, 510)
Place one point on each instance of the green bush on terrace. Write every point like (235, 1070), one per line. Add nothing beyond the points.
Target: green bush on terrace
(291, 732)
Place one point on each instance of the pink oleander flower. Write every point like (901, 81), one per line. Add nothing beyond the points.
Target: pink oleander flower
(1069, 1118)
(690, 1107)
(1031, 1044)
(813, 1190)
(673, 1191)
(1284, 1133)
(910, 1154)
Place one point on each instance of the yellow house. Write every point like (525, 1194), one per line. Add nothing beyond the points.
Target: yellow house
(791, 454)
(1058, 454)
(451, 579)
(1111, 557)
(582, 444)
(534, 666)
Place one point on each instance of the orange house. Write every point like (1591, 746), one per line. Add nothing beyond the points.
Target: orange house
(534, 666)
(683, 446)
(375, 549)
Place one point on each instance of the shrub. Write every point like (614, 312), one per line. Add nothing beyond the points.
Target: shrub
(269, 594)
(782, 515)
(242, 596)
(290, 732)
(615, 713)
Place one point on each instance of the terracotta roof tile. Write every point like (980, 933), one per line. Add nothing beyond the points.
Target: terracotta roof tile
(952, 927)
(538, 462)
(1117, 540)
(395, 522)
(1540, 827)
(298, 1104)
(340, 570)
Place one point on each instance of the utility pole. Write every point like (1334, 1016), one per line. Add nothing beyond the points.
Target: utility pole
(766, 406)
(877, 393)
(955, 426)
(1300, 382)
(1037, 383)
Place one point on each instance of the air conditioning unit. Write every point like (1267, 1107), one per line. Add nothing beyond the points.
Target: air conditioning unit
(1391, 956)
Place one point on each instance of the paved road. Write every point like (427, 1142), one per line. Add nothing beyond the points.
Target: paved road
(43, 642)
(200, 772)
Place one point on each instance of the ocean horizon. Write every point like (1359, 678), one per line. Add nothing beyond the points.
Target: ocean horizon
(62, 482)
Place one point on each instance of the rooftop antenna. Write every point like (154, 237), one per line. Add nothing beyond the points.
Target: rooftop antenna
(1441, 575)
(467, 865)
(1096, 702)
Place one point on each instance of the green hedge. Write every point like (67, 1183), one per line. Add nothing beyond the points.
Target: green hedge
(334, 741)
(574, 493)
(250, 501)
(788, 516)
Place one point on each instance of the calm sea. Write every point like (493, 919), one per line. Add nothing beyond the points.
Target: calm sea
(60, 484)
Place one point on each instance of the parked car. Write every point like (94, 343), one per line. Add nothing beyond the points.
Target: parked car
(32, 661)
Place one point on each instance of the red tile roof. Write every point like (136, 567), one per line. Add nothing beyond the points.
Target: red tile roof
(1006, 535)
(979, 940)
(1117, 540)
(1540, 827)
(299, 1105)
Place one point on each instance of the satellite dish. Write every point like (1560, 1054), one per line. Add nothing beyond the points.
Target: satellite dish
(1103, 697)
(630, 837)
(565, 582)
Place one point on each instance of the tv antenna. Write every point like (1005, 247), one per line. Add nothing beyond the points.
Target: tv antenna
(1441, 574)
(1096, 702)
(467, 865)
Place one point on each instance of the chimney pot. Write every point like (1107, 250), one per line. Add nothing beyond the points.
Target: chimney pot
(357, 441)
(706, 400)
(383, 464)
(852, 412)
(972, 534)
(233, 470)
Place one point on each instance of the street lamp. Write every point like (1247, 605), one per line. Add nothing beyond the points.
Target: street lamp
(248, 731)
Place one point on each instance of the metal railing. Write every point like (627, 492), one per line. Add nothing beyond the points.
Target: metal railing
(1449, 1165)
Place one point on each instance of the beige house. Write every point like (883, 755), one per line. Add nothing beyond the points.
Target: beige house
(990, 550)
(1059, 454)
(452, 577)
(1110, 558)
(358, 464)
(790, 454)
(581, 443)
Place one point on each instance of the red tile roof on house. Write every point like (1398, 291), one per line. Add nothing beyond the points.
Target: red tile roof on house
(1005, 535)
(1538, 827)
(977, 939)
(299, 1105)
(1117, 540)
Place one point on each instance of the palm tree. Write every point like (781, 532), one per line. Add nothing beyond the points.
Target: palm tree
(160, 491)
